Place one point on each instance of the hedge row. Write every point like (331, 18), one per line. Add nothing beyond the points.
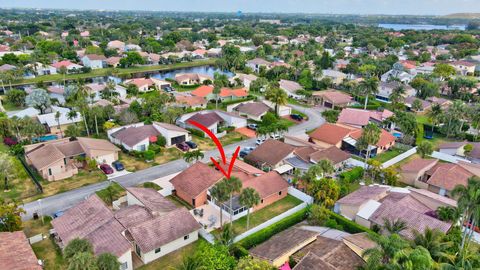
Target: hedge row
(348, 225)
(196, 132)
(265, 234)
(235, 101)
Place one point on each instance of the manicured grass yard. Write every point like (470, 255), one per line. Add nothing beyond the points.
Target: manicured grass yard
(174, 259)
(385, 156)
(104, 195)
(207, 143)
(264, 214)
(133, 164)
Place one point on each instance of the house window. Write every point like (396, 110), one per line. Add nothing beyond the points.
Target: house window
(157, 250)
(49, 171)
(186, 237)
(137, 250)
(279, 193)
(193, 202)
(124, 266)
(65, 161)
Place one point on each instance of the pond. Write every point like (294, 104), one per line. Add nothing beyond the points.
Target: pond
(399, 26)
(208, 70)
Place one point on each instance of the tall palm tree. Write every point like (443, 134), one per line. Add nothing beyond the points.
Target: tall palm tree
(434, 115)
(249, 198)
(368, 87)
(394, 226)
(57, 118)
(276, 95)
(370, 136)
(220, 193)
(193, 156)
(433, 241)
(468, 198)
(233, 185)
(397, 94)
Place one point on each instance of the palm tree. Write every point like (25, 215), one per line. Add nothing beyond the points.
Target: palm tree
(468, 198)
(249, 198)
(216, 91)
(370, 136)
(276, 95)
(190, 263)
(57, 118)
(394, 226)
(368, 87)
(220, 193)
(397, 94)
(433, 241)
(434, 115)
(387, 247)
(193, 156)
(233, 185)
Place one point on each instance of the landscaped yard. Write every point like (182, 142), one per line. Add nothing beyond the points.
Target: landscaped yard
(20, 185)
(207, 143)
(174, 259)
(385, 156)
(10, 106)
(179, 202)
(116, 192)
(133, 164)
(264, 214)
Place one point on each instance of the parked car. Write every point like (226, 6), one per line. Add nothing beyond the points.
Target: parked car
(118, 165)
(259, 141)
(183, 146)
(245, 151)
(106, 168)
(276, 136)
(168, 89)
(296, 117)
(59, 213)
(252, 126)
(191, 144)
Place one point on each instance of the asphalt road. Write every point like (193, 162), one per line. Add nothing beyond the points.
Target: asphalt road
(65, 200)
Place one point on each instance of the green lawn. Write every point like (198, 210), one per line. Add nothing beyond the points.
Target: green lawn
(8, 106)
(179, 202)
(266, 213)
(174, 259)
(385, 156)
(116, 72)
(118, 191)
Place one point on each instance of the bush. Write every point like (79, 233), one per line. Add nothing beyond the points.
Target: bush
(332, 223)
(155, 148)
(152, 185)
(9, 141)
(238, 251)
(161, 141)
(149, 155)
(348, 225)
(352, 175)
(265, 234)
(228, 129)
(197, 132)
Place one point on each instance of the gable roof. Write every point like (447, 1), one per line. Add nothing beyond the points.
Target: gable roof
(190, 100)
(151, 199)
(415, 165)
(196, 179)
(163, 229)
(290, 86)
(95, 57)
(228, 92)
(385, 137)
(271, 152)
(16, 252)
(363, 194)
(170, 127)
(206, 119)
(267, 184)
(44, 156)
(448, 175)
(202, 91)
(335, 96)
(330, 133)
(96, 144)
(333, 154)
(133, 135)
(253, 108)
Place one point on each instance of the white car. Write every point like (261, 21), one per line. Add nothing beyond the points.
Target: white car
(259, 141)
(275, 136)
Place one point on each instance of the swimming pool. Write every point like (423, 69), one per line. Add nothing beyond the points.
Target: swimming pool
(45, 138)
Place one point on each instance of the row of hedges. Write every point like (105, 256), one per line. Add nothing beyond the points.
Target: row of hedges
(352, 175)
(196, 132)
(265, 234)
(348, 225)
(230, 102)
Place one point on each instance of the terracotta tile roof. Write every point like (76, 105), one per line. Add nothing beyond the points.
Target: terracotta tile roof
(140, 82)
(152, 200)
(415, 165)
(313, 262)
(44, 156)
(362, 195)
(433, 196)
(16, 252)
(190, 100)
(253, 108)
(132, 215)
(245, 167)
(447, 176)
(290, 240)
(93, 220)
(113, 60)
(385, 137)
(60, 64)
(409, 210)
(337, 97)
(95, 57)
(304, 153)
(331, 133)
(133, 135)
(206, 119)
(333, 154)
(202, 91)
(164, 229)
(70, 149)
(271, 152)
(267, 184)
(227, 92)
(96, 144)
(196, 179)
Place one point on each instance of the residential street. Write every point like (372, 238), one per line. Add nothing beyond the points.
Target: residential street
(62, 201)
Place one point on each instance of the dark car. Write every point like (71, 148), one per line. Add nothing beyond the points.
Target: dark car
(191, 144)
(245, 151)
(106, 168)
(183, 146)
(58, 214)
(296, 117)
(118, 165)
(252, 126)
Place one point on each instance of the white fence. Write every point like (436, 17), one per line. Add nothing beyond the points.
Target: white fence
(35, 239)
(448, 158)
(207, 236)
(399, 158)
(300, 195)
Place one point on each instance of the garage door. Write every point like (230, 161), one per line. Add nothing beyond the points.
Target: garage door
(328, 104)
(106, 159)
(178, 139)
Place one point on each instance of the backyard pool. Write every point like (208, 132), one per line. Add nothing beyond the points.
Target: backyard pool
(45, 138)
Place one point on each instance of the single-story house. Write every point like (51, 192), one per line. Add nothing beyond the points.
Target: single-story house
(94, 61)
(137, 137)
(148, 84)
(113, 61)
(464, 67)
(385, 89)
(245, 79)
(291, 88)
(57, 126)
(257, 63)
(371, 205)
(55, 160)
(191, 78)
(332, 98)
(212, 119)
(359, 118)
(116, 45)
(252, 110)
(458, 149)
(307, 156)
(16, 252)
(337, 77)
(189, 101)
(149, 227)
(270, 154)
(67, 64)
(206, 91)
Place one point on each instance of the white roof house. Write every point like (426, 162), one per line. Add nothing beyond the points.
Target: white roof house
(50, 120)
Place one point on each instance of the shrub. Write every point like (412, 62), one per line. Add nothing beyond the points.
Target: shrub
(318, 215)
(348, 225)
(238, 251)
(161, 141)
(149, 155)
(152, 185)
(332, 223)
(352, 175)
(263, 235)
(196, 132)
(9, 141)
(155, 148)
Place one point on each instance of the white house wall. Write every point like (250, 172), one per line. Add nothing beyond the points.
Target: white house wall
(126, 258)
(172, 246)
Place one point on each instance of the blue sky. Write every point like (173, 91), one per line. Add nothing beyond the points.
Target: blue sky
(415, 7)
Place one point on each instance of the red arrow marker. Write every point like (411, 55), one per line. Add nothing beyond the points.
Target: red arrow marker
(220, 149)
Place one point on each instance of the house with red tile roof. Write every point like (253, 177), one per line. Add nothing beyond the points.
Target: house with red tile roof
(67, 64)
(372, 205)
(206, 91)
(148, 228)
(16, 252)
